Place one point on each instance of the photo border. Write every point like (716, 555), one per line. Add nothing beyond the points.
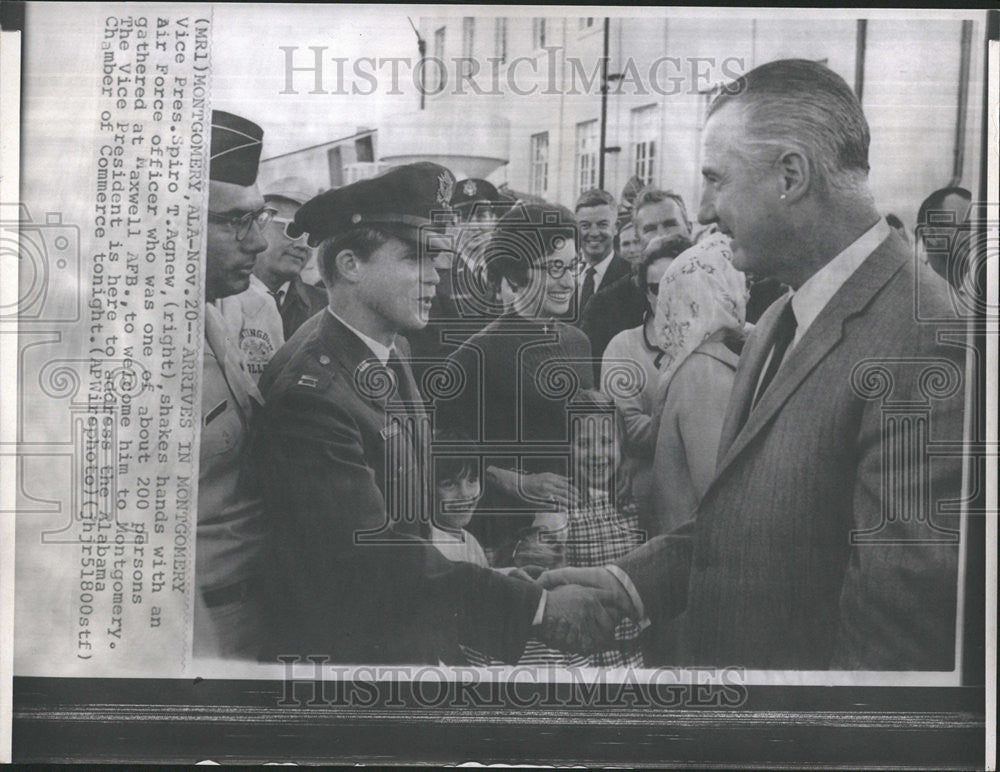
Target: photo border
(79, 719)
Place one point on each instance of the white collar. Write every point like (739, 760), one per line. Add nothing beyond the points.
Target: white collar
(282, 291)
(813, 296)
(378, 349)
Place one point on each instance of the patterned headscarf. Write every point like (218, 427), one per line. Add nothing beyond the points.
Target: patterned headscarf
(700, 294)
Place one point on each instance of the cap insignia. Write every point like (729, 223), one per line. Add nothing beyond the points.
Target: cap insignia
(446, 185)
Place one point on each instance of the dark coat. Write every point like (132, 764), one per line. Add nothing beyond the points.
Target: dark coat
(301, 302)
(620, 306)
(617, 268)
(806, 551)
(347, 577)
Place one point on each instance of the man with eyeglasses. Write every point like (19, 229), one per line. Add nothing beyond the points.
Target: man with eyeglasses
(252, 314)
(278, 272)
(226, 619)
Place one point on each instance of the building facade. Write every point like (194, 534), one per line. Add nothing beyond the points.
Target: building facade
(518, 100)
(920, 83)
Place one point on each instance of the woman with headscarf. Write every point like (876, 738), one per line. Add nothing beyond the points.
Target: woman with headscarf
(699, 326)
(630, 372)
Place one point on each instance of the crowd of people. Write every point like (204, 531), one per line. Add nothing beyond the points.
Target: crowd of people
(497, 430)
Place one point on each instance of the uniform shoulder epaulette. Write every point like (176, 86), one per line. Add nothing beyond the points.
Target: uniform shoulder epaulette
(313, 373)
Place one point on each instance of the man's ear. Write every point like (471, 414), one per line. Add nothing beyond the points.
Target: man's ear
(795, 176)
(349, 265)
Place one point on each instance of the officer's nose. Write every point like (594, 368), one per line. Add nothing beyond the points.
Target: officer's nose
(429, 273)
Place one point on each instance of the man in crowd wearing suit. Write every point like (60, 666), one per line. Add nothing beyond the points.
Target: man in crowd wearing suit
(659, 216)
(279, 267)
(229, 534)
(341, 454)
(822, 542)
(595, 218)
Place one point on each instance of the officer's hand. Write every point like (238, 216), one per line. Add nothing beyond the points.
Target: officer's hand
(547, 486)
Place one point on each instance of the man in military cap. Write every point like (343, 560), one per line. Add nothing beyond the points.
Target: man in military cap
(229, 535)
(463, 302)
(340, 450)
(280, 266)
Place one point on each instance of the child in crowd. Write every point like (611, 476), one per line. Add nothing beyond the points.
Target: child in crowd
(602, 522)
(457, 491)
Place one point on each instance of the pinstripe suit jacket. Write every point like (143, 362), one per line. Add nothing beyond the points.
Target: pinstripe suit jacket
(817, 545)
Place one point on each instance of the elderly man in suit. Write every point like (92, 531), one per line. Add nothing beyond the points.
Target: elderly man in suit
(820, 543)
(341, 457)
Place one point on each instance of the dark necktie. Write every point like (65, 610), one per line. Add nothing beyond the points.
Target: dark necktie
(784, 333)
(588, 286)
(278, 296)
(403, 391)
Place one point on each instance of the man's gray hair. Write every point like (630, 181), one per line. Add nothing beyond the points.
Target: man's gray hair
(803, 105)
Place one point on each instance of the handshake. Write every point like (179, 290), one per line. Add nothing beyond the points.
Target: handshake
(582, 610)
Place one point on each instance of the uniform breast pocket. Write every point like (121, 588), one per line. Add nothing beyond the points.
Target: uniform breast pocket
(221, 430)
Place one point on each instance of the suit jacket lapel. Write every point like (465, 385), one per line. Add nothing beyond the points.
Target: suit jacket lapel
(748, 374)
(821, 337)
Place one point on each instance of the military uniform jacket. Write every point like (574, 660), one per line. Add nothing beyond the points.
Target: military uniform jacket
(342, 582)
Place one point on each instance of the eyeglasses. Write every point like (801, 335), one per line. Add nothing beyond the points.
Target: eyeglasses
(286, 223)
(241, 223)
(556, 269)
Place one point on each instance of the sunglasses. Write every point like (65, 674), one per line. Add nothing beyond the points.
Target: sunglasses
(241, 223)
(285, 229)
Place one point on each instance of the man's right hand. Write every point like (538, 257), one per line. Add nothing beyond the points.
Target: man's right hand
(598, 578)
(579, 619)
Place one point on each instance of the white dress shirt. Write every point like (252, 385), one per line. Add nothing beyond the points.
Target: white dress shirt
(812, 297)
(380, 350)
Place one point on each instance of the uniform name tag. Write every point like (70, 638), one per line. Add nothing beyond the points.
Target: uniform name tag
(390, 431)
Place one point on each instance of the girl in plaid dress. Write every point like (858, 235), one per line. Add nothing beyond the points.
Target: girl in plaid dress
(601, 524)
